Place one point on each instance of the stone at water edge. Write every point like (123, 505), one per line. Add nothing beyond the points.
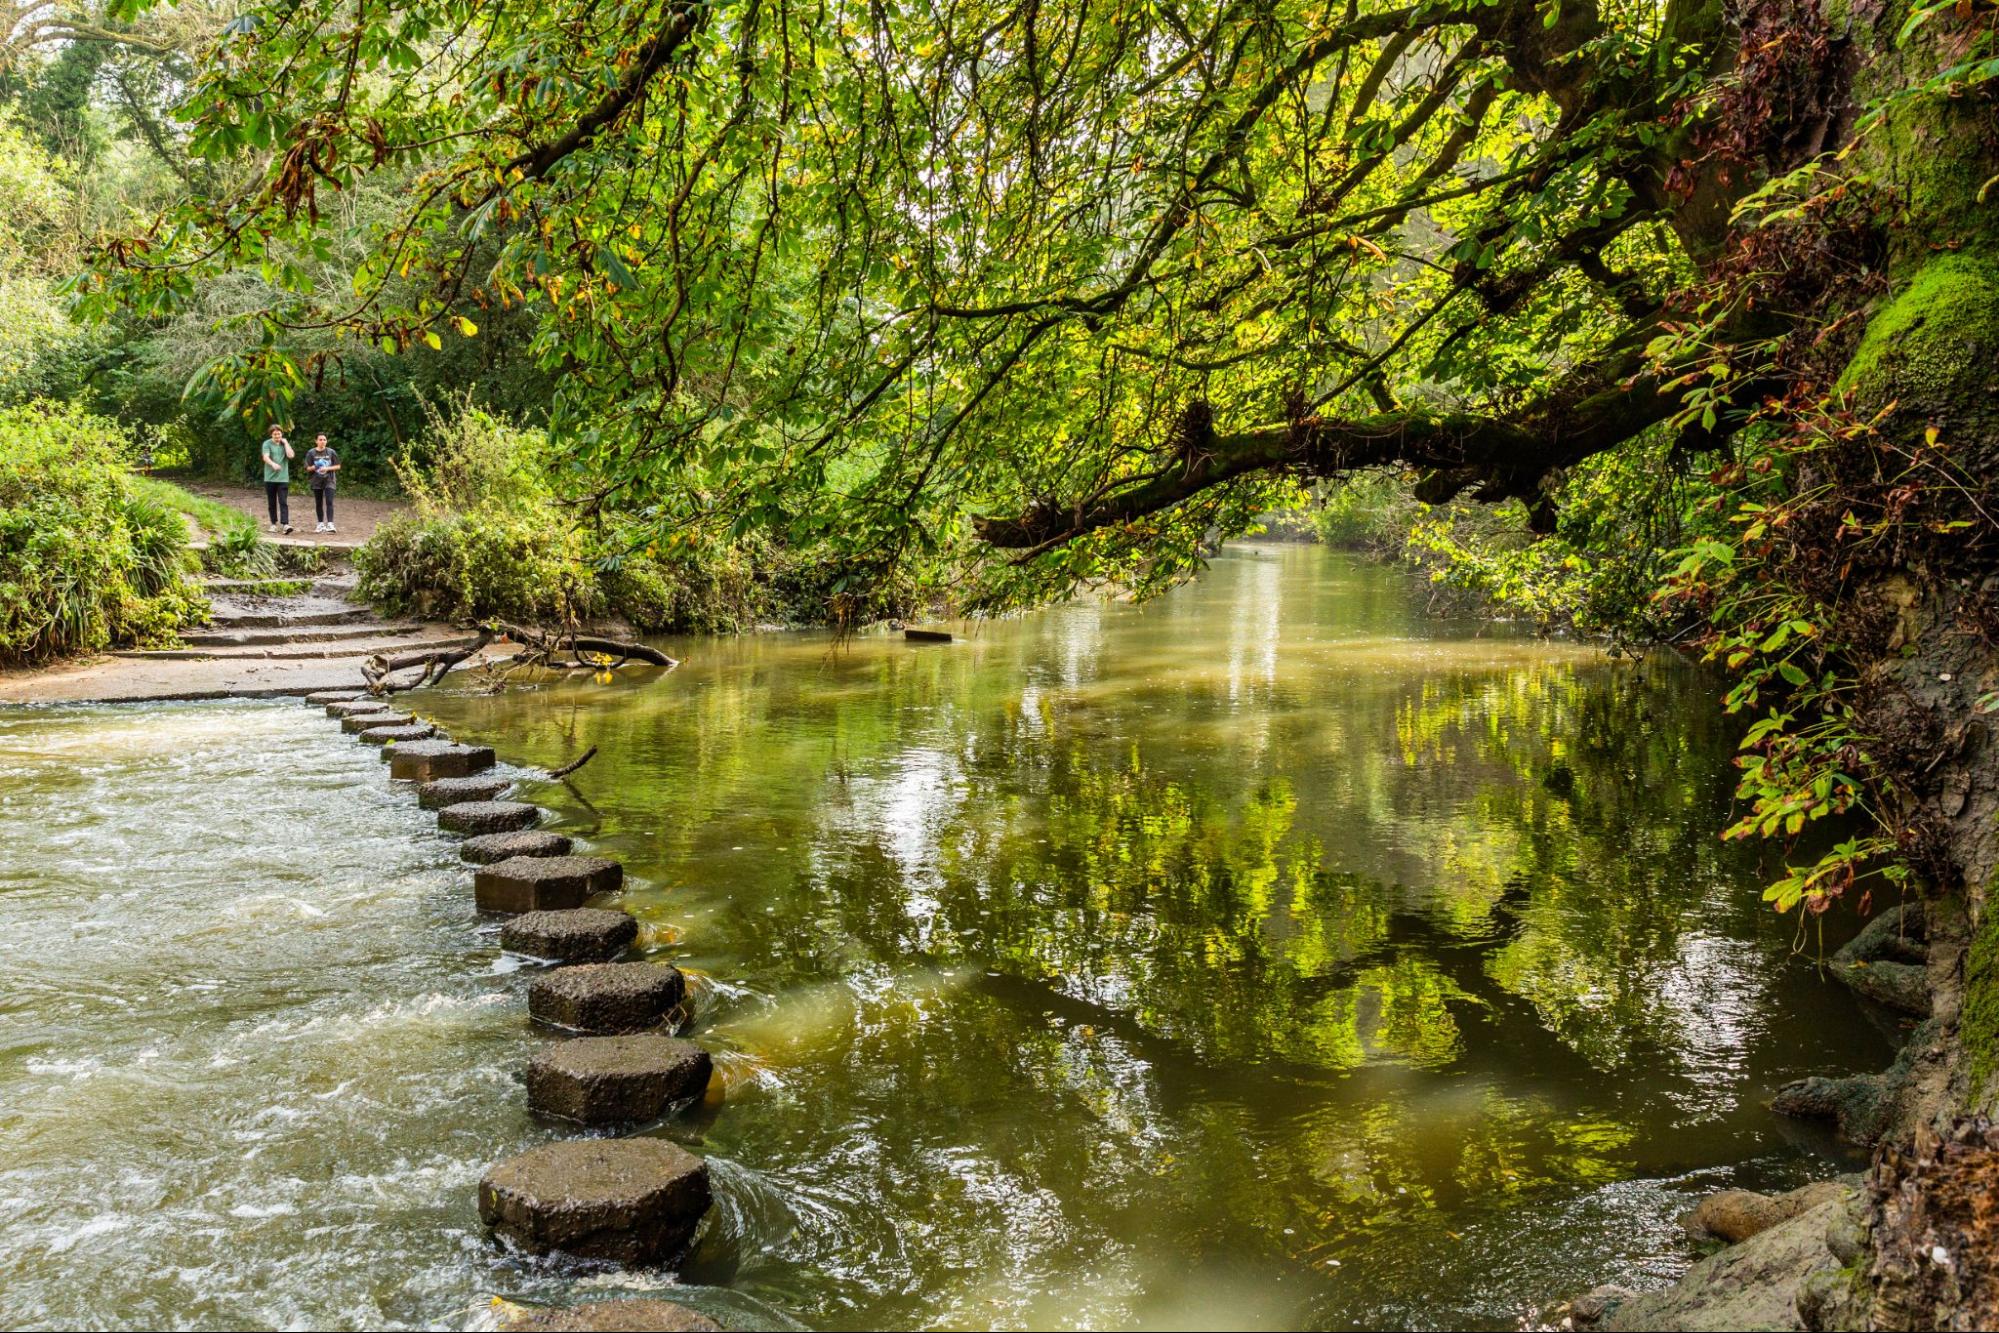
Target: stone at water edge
(636, 1315)
(633, 1201)
(421, 761)
(451, 791)
(348, 708)
(385, 717)
(488, 816)
(606, 997)
(330, 697)
(578, 935)
(543, 883)
(614, 1080)
(487, 848)
(415, 731)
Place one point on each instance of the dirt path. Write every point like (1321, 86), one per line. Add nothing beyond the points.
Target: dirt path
(356, 518)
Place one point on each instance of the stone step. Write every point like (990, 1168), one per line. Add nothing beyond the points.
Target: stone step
(633, 1201)
(487, 848)
(544, 883)
(397, 734)
(574, 935)
(357, 720)
(317, 587)
(453, 791)
(276, 615)
(354, 648)
(488, 816)
(333, 699)
(615, 1080)
(606, 997)
(357, 629)
(421, 761)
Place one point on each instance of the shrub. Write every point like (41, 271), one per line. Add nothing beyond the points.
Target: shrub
(85, 563)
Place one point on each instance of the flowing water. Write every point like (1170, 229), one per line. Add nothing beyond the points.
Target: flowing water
(1267, 956)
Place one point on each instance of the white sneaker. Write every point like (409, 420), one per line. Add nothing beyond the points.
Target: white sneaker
(331, 528)
(320, 527)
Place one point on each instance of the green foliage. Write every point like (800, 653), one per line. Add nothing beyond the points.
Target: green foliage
(86, 562)
(234, 548)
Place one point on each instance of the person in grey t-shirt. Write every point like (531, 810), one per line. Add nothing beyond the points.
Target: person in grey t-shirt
(322, 461)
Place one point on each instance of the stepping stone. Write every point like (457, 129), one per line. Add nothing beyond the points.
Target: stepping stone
(539, 883)
(450, 791)
(335, 696)
(636, 1314)
(606, 997)
(415, 731)
(350, 707)
(633, 1201)
(611, 1080)
(420, 761)
(490, 847)
(381, 717)
(488, 816)
(579, 935)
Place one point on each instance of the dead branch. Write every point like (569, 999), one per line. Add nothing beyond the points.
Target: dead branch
(574, 764)
(379, 671)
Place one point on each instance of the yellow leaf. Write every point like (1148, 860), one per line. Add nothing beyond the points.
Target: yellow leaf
(466, 326)
(430, 336)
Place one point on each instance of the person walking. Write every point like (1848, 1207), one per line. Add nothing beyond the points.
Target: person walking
(278, 455)
(321, 462)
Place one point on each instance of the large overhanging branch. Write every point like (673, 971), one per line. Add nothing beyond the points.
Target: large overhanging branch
(1590, 412)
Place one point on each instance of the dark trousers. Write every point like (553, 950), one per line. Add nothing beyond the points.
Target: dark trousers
(322, 504)
(277, 495)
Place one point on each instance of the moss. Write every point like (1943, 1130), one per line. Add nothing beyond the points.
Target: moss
(1978, 1016)
(1933, 346)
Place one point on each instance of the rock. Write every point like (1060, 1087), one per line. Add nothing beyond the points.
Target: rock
(606, 997)
(638, 1315)
(421, 761)
(612, 1080)
(1732, 1216)
(490, 847)
(543, 883)
(1860, 1105)
(450, 791)
(353, 723)
(1754, 1285)
(633, 1201)
(336, 696)
(416, 731)
(579, 935)
(488, 816)
(1902, 986)
(1588, 1310)
(349, 707)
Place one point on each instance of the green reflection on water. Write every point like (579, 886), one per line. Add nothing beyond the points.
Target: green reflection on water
(1266, 955)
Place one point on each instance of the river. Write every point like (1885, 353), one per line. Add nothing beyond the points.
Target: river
(1271, 955)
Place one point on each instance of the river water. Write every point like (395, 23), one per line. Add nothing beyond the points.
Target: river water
(1267, 956)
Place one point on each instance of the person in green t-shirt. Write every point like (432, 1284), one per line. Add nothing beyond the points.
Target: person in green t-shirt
(277, 455)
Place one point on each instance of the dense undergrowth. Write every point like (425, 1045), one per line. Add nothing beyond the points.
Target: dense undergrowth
(490, 535)
(88, 559)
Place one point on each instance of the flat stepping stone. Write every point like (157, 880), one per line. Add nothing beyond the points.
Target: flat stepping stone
(348, 708)
(415, 731)
(638, 1315)
(606, 997)
(578, 935)
(335, 696)
(633, 1201)
(381, 717)
(544, 883)
(420, 761)
(488, 816)
(612, 1080)
(490, 847)
(450, 791)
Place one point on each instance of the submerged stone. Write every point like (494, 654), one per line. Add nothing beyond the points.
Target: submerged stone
(450, 791)
(541, 883)
(421, 761)
(488, 816)
(633, 1201)
(415, 731)
(335, 696)
(610, 1080)
(578, 935)
(490, 847)
(637, 1314)
(606, 997)
(353, 723)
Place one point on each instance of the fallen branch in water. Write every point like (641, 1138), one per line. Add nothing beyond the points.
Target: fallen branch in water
(563, 650)
(379, 670)
(574, 764)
